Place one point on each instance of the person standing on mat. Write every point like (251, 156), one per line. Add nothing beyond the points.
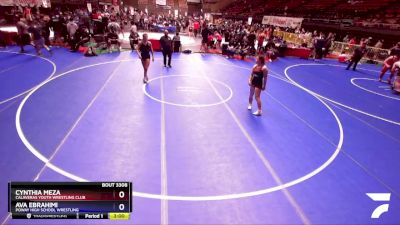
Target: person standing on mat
(144, 49)
(257, 83)
(359, 52)
(396, 67)
(166, 48)
(23, 36)
(204, 42)
(387, 65)
(72, 27)
(38, 40)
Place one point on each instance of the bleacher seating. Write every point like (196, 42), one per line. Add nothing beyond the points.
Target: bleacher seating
(384, 12)
(313, 5)
(362, 6)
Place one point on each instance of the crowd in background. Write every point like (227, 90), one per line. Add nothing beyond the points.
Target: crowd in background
(78, 27)
(243, 39)
(379, 14)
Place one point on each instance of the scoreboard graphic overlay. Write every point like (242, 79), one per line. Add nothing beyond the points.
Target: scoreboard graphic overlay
(70, 200)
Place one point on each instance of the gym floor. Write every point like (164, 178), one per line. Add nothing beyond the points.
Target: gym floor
(186, 140)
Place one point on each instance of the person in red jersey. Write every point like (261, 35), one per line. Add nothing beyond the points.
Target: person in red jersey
(260, 40)
(387, 65)
(196, 28)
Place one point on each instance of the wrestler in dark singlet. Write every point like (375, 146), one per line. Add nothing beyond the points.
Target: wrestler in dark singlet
(144, 50)
(257, 83)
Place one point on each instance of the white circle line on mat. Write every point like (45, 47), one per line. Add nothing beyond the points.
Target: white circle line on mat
(61, 171)
(30, 89)
(331, 100)
(353, 82)
(188, 105)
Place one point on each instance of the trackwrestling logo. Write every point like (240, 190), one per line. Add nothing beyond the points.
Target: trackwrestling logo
(379, 197)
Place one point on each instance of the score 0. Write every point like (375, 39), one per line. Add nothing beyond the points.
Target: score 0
(122, 195)
(121, 206)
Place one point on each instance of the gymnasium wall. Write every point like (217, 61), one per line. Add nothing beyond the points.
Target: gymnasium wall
(152, 6)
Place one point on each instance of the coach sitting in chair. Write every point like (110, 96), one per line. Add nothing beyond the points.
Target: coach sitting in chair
(113, 39)
(81, 37)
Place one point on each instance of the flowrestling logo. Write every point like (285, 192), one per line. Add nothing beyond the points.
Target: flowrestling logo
(379, 197)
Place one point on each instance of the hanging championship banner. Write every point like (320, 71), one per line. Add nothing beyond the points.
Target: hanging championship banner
(46, 3)
(23, 3)
(89, 7)
(281, 21)
(249, 20)
(161, 2)
(7, 3)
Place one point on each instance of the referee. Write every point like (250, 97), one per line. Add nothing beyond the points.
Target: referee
(166, 48)
(359, 52)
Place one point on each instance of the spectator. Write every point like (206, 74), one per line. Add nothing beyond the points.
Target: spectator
(346, 39)
(260, 41)
(38, 40)
(133, 39)
(23, 35)
(379, 44)
(395, 50)
(81, 37)
(319, 44)
(196, 28)
(204, 33)
(133, 27)
(47, 26)
(343, 57)
(218, 37)
(177, 42)
(251, 39)
(114, 27)
(72, 27)
(2, 41)
(60, 29)
(230, 52)
(113, 39)
(352, 41)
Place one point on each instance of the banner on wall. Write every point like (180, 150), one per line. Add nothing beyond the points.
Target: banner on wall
(46, 3)
(249, 20)
(104, 3)
(6, 2)
(161, 2)
(30, 3)
(281, 21)
(89, 7)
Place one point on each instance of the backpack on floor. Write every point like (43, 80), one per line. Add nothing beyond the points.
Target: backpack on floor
(90, 52)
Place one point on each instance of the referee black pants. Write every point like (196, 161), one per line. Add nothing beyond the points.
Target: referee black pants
(167, 53)
(353, 63)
